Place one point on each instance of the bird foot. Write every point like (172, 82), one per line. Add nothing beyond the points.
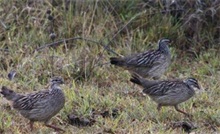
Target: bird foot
(55, 128)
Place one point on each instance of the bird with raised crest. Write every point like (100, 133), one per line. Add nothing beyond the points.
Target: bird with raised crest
(38, 106)
(149, 64)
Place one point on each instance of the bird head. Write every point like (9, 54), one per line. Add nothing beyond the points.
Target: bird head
(57, 80)
(163, 45)
(192, 82)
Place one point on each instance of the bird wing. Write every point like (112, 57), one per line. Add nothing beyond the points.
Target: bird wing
(164, 88)
(30, 101)
(145, 59)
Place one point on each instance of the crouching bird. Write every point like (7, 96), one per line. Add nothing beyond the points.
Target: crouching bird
(39, 106)
(168, 93)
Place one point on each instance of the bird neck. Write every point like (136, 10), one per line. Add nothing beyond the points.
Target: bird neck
(54, 86)
(163, 47)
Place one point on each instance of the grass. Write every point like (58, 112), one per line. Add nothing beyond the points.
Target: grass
(91, 83)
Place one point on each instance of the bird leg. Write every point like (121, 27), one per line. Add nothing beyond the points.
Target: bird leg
(31, 125)
(159, 107)
(54, 127)
(177, 109)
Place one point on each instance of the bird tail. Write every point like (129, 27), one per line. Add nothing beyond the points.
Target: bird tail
(9, 94)
(137, 79)
(145, 83)
(117, 61)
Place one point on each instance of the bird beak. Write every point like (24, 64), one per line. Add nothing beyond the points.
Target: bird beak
(170, 42)
(198, 87)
